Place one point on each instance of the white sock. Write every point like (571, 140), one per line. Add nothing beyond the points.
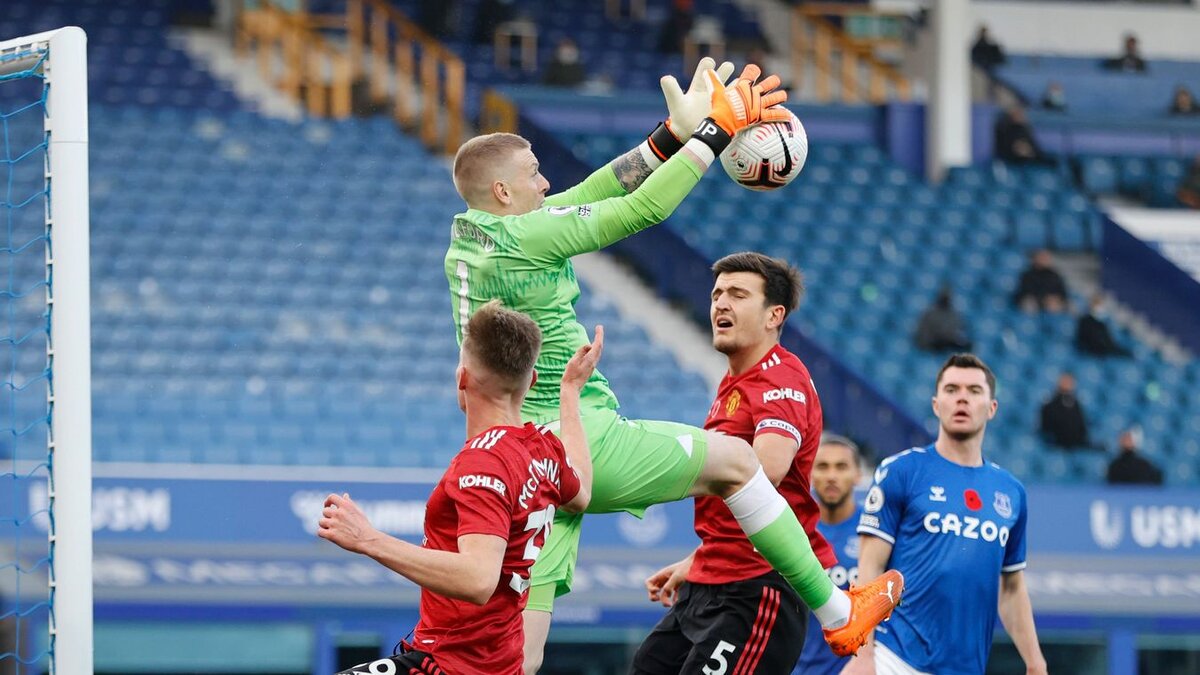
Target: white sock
(835, 612)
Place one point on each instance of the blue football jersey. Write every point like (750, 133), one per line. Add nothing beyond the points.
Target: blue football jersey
(817, 658)
(954, 530)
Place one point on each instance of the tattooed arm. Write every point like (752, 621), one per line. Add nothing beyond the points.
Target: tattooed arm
(631, 169)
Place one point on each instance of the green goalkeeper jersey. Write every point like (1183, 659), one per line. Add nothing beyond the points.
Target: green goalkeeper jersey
(525, 262)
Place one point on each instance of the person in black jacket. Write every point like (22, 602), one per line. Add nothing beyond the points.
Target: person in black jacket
(1063, 421)
(940, 327)
(1041, 287)
(986, 53)
(1183, 103)
(1092, 335)
(1129, 467)
(565, 69)
(1130, 60)
(1013, 139)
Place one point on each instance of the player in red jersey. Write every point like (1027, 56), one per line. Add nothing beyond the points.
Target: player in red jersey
(730, 612)
(488, 516)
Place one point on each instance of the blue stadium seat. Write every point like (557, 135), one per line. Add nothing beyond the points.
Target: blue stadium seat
(1099, 175)
(1029, 229)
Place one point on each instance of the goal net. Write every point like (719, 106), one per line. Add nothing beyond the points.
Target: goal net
(45, 399)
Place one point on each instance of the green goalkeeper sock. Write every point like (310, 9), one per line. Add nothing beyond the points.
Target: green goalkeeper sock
(779, 537)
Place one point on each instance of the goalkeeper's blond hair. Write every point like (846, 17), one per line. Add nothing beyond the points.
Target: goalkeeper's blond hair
(479, 161)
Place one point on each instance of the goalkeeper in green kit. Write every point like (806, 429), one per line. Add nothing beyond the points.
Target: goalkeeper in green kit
(515, 243)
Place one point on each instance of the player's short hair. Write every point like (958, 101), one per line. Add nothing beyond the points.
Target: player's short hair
(782, 283)
(505, 342)
(837, 439)
(965, 360)
(477, 159)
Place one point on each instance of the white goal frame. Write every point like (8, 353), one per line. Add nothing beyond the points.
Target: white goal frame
(69, 397)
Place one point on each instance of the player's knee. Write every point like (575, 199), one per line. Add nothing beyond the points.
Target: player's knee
(731, 464)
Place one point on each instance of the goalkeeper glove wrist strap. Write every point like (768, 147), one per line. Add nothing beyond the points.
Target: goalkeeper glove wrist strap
(659, 146)
(709, 140)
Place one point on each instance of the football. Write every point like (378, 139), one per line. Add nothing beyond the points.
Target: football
(767, 155)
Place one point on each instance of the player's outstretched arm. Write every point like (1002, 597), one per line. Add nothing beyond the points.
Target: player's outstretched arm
(570, 431)
(471, 574)
(563, 231)
(1016, 613)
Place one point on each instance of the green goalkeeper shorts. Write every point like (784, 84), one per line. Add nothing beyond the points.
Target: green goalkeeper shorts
(635, 464)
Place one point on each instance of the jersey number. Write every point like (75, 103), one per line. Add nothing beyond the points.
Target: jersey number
(718, 655)
(539, 522)
(464, 296)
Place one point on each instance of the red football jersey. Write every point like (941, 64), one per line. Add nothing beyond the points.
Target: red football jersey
(775, 396)
(506, 482)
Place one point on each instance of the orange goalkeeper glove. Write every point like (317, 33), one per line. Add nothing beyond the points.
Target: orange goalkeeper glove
(744, 102)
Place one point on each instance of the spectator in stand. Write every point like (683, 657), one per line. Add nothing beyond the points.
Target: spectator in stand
(1130, 60)
(1054, 98)
(1041, 287)
(565, 69)
(1092, 335)
(985, 53)
(940, 328)
(489, 15)
(1188, 192)
(679, 23)
(1063, 421)
(1183, 103)
(1129, 467)
(1014, 141)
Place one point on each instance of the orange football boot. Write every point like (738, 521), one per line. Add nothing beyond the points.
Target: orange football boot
(870, 604)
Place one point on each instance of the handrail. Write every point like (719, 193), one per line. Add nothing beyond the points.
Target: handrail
(401, 63)
(497, 113)
(404, 70)
(815, 39)
(295, 58)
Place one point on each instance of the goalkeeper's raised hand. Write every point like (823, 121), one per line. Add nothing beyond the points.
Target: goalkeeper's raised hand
(685, 110)
(747, 100)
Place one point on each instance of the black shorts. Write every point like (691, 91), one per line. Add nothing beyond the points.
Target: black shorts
(739, 628)
(408, 663)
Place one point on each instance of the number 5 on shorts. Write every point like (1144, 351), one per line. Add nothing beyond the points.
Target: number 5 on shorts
(718, 655)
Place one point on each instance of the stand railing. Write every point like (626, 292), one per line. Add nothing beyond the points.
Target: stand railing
(371, 58)
(841, 61)
(295, 58)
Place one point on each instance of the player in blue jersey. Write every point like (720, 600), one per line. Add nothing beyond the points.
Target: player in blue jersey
(836, 470)
(954, 524)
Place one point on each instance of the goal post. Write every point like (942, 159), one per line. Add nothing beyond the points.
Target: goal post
(59, 59)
